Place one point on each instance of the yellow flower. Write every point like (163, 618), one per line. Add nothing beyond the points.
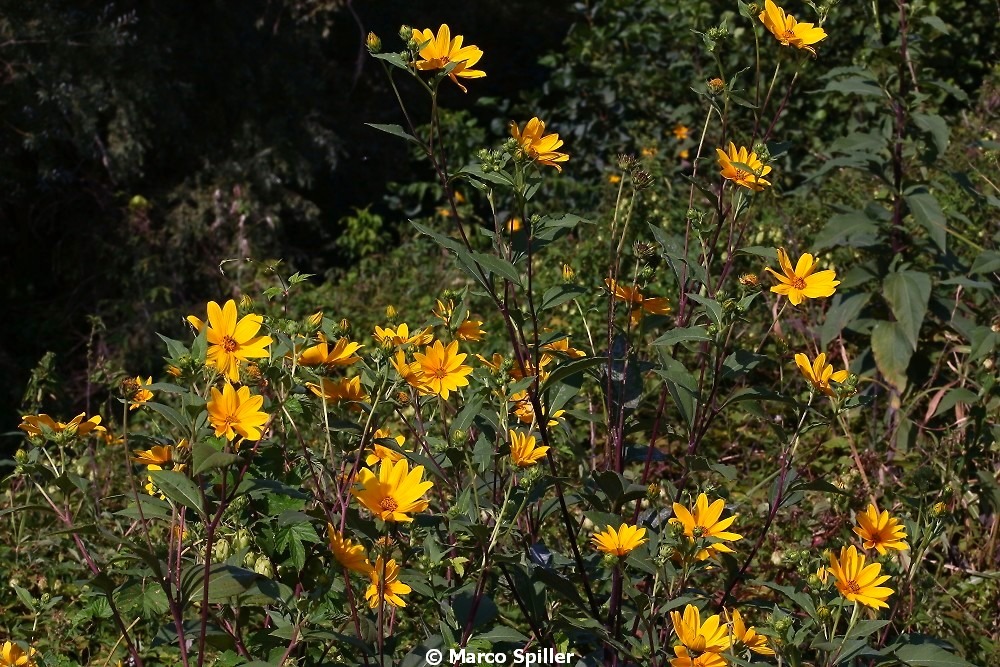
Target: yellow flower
(614, 179)
(383, 453)
(561, 347)
(800, 283)
(858, 582)
(32, 424)
(619, 542)
(347, 552)
(470, 330)
(819, 373)
(230, 341)
(385, 584)
(410, 372)
(681, 131)
(637, 303)
(538, 146)
(881, 531)
(685, 659)
(12, 655)
(525, 411)
(442, 368)
(523, 451)
(320, 354)
(141, 394)
(712, 636)
(437, 52)
(395, 492)
(443, 311)
(157, 456)
(514, 224)
(787, 30)
(401, 336)
(749, 170)
(704, 523)
(233, 412)
(337, 391)
(749, 637)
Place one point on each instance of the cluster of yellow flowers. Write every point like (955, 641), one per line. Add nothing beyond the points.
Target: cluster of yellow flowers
(860, 582)
(741, 165)
(702, 643)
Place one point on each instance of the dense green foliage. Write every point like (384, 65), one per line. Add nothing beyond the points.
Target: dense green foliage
(158, 159)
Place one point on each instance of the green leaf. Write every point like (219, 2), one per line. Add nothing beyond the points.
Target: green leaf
(988, 261)
(499, 266)
(570, 368)
(177, 487)
(908, 293)
(681, 335)
(856, 85)
(394, 59)
(683, 387)
(224, 581)
(845, 309)
(712, 307)
(396, 131)
(560, 294)
(957, 395)
(853, 229)
(502, 633)
(929, 655)
(892, 352)
(936, 126)
(172, 415)
(928, 214)
(206, 457)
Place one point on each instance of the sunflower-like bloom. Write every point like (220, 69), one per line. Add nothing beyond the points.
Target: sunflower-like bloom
(231, 342)
(12, 655)
(395, 493)
(704, 523)
(523, 451)
(619, 542)
(470, 330)
(858, 582)
(712, 636)
(537, 145)
(800, 283)
(748, 637)
(401, 336)
(411, 372)
(385, 584)
(321, 354)
(819, 373)
(383, 453)
(347, 552)
(140, 394)
(681, 131)
(638, 304)
(748, 171)
(561, 347)
(438, 51)
(232, 412)
(159, 456)
(881, 531)
(787, 30)
(32, 424)
(442, 368)
(686, 659)
(337, 391)
(525, 411)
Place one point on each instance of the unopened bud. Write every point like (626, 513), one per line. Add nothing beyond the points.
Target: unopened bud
(568, 273)
(716, 86)
(403, 397)
(652, 492)
(246, 302)
(627, 162)
(405, 33)
(315, 319)
(345, 325)
(373, 43)
(939, 510)
(390, 312)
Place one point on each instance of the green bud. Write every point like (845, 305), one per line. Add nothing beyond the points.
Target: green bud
(263, 567)
(221, 550)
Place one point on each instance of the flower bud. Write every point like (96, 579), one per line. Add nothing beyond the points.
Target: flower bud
(459, 436)
(939, 510)
(390, 313)
(609, 561)
(750, 280)
(643, 250)
(242, 539)
(374, 44)
(405, 33)
(627, 162)
(345, 325)
(716, 86)
(403, 397)
(652, 492)
(263, 567)
(315, 319)
(568, 273)
(246, 302)
(221, 550)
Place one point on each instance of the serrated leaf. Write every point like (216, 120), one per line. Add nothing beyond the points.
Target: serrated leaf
(853, 229)
(683, 334)
(845, 309)
(177, 487)
(908, 294)
(499, 266)
(928, 214)
(936, 126)
(892, 353)
(929, 655)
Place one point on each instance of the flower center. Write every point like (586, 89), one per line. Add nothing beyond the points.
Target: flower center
(853, 586)
(789, 34)
(388, 505)
(741, 175)
(798, 283)
(440, 372)
(229, 344)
